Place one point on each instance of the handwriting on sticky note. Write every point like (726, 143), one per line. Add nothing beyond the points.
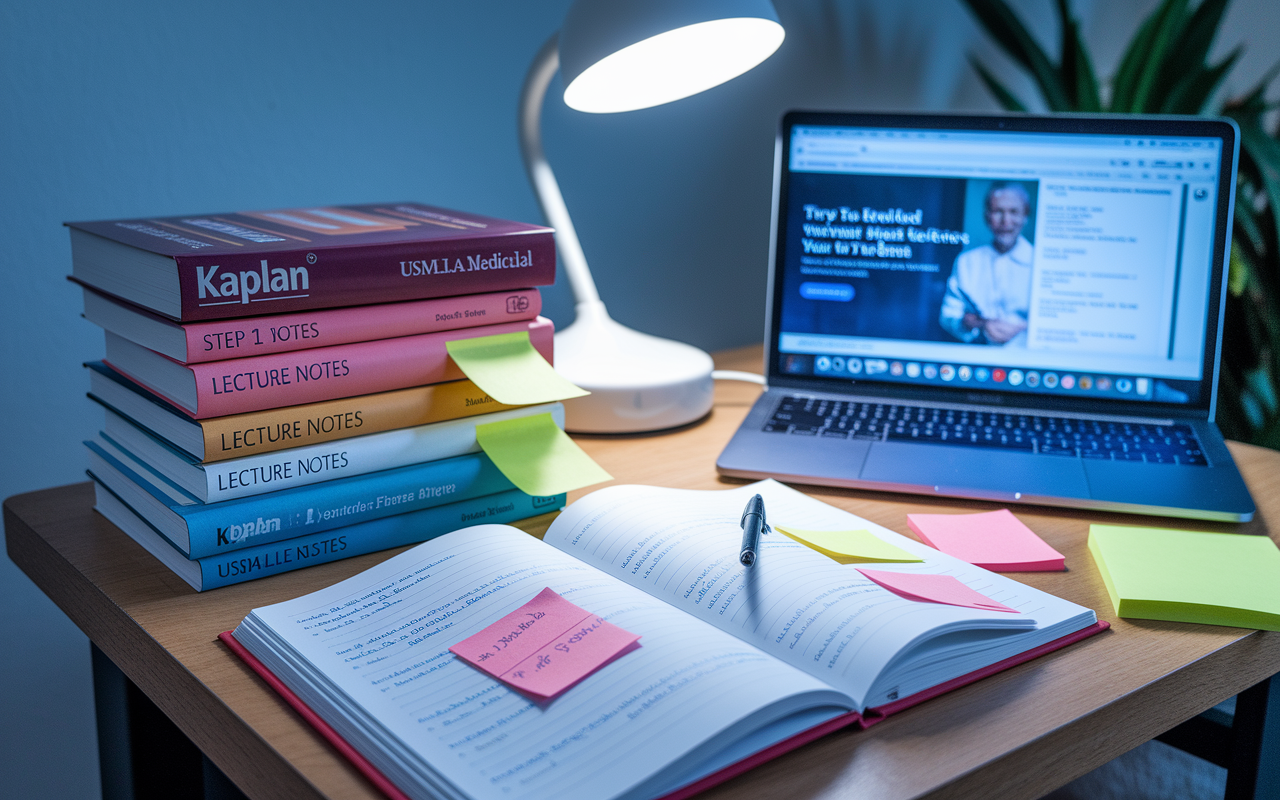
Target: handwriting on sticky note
(934, 589)
(545, 646)
(994, 540)
(848, 547)
(538, 457)
(508, 368)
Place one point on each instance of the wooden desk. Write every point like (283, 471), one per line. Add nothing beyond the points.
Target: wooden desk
(1018, 734)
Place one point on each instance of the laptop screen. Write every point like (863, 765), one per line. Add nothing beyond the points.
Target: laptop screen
(948, 253)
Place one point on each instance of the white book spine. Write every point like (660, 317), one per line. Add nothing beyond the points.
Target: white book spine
(300, 466)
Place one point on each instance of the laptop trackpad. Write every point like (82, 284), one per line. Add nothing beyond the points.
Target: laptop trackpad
(980, 471)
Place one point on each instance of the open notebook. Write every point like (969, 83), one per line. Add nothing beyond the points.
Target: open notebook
(734, 665)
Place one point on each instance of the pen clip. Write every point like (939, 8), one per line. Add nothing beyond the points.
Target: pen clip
(756, 500)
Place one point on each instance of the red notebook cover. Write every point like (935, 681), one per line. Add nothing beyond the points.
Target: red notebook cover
(864, 721)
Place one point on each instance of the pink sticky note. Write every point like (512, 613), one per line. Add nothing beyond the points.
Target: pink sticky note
(545, 646)
(995, 540)
(934, 589)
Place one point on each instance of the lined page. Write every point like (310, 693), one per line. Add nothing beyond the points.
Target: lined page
(381, 639)
(823, 617)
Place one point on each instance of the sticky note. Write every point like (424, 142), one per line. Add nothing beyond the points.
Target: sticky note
(538, 457)
(934, 589)
(994, 540)
(508, 369)
(1186, 576)
(848, 547)
(545, 646)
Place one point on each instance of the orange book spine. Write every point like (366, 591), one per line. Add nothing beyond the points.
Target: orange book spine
(256, 432)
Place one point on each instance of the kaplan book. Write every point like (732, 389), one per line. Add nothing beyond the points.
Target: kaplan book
(246, 263)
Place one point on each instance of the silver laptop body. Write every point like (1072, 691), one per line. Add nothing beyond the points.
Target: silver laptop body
(1025, 309)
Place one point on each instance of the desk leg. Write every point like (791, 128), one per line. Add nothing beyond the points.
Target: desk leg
(1246, 743)
(1254, 768)
(142, 754)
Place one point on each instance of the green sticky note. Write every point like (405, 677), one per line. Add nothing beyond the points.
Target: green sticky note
(538, 457)
(508, 369)
(849, 547)
(1186, 576)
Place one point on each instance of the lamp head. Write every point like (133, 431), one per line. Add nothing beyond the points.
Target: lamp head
(623, 55)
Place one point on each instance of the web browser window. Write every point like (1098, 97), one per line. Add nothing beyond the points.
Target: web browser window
(1053, 263)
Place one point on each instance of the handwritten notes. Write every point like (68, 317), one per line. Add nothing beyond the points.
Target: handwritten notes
(538, 457)
(934, 589)
(995, 540)
(848, 547)
(510, 370)
(545, 646)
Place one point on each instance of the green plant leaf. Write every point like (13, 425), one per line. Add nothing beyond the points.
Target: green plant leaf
(1159, 61)
(1190, 53)
(1191, 94)
(1246, 219)
(1014, 38)
(1007, 100)
(1076, 70)
(1265, 153)
(1144, 55)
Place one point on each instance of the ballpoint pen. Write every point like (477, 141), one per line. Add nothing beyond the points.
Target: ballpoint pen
(753, 523)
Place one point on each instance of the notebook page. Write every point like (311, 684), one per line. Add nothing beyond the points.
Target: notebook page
(823, 617)
(379, 641)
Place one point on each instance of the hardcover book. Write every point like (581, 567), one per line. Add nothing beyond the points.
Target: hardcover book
(217, 340)
(246, 263)
(240, 385)
(257, 432)
(212, 572)
(734, 665)
(301, 466)
(199, 529)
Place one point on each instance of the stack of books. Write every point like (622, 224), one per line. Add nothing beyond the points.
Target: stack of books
(277, 387)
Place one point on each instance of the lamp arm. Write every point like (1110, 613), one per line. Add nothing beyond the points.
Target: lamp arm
(545, 187)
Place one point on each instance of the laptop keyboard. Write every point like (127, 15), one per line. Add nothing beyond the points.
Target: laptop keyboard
(1031, 433)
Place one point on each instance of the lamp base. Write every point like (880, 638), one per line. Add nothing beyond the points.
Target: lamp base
(637, 382)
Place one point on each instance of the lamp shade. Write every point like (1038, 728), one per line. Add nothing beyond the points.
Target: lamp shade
(622, 55)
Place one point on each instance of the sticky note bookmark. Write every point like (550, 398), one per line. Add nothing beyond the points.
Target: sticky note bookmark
(934, 589)
(508, 369)
(545, 646)
(994, 540)
(849, 547)
(538, 457)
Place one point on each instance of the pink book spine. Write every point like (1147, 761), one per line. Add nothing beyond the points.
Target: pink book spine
(346, 370)
(282, 333)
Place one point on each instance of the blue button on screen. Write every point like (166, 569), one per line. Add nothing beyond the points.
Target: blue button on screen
(841, 292)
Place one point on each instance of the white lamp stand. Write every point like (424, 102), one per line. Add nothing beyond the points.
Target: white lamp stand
(622, 55)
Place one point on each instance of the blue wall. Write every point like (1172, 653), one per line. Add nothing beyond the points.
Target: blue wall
(175, 107)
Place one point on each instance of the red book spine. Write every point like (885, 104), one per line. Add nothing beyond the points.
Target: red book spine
(245, 284)
(253, 336)
(238, 385)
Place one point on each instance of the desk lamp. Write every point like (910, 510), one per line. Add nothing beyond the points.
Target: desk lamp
(623, 55)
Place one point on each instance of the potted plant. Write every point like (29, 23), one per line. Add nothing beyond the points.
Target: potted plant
(1166, 69)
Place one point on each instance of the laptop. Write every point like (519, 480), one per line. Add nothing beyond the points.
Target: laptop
(1025, 309)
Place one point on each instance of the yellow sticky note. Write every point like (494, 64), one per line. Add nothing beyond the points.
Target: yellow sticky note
(508, 368)
(849, 547)
(1188, 576)
(538, 457)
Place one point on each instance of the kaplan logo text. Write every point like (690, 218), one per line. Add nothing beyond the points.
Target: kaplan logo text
(246, 284)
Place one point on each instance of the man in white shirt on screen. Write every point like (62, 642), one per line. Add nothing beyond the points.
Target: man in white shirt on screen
(989, 291)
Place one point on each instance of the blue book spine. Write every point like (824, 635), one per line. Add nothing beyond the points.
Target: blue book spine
(369, 537)
(217, 528)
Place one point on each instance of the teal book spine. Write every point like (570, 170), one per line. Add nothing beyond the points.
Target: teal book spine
(370, 537)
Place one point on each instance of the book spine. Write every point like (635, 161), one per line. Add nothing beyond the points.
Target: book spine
(244, 284)
(369, 537)
(254, 475)
(346, 370)
(217, 528)
(282, 333)
(334, 420)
